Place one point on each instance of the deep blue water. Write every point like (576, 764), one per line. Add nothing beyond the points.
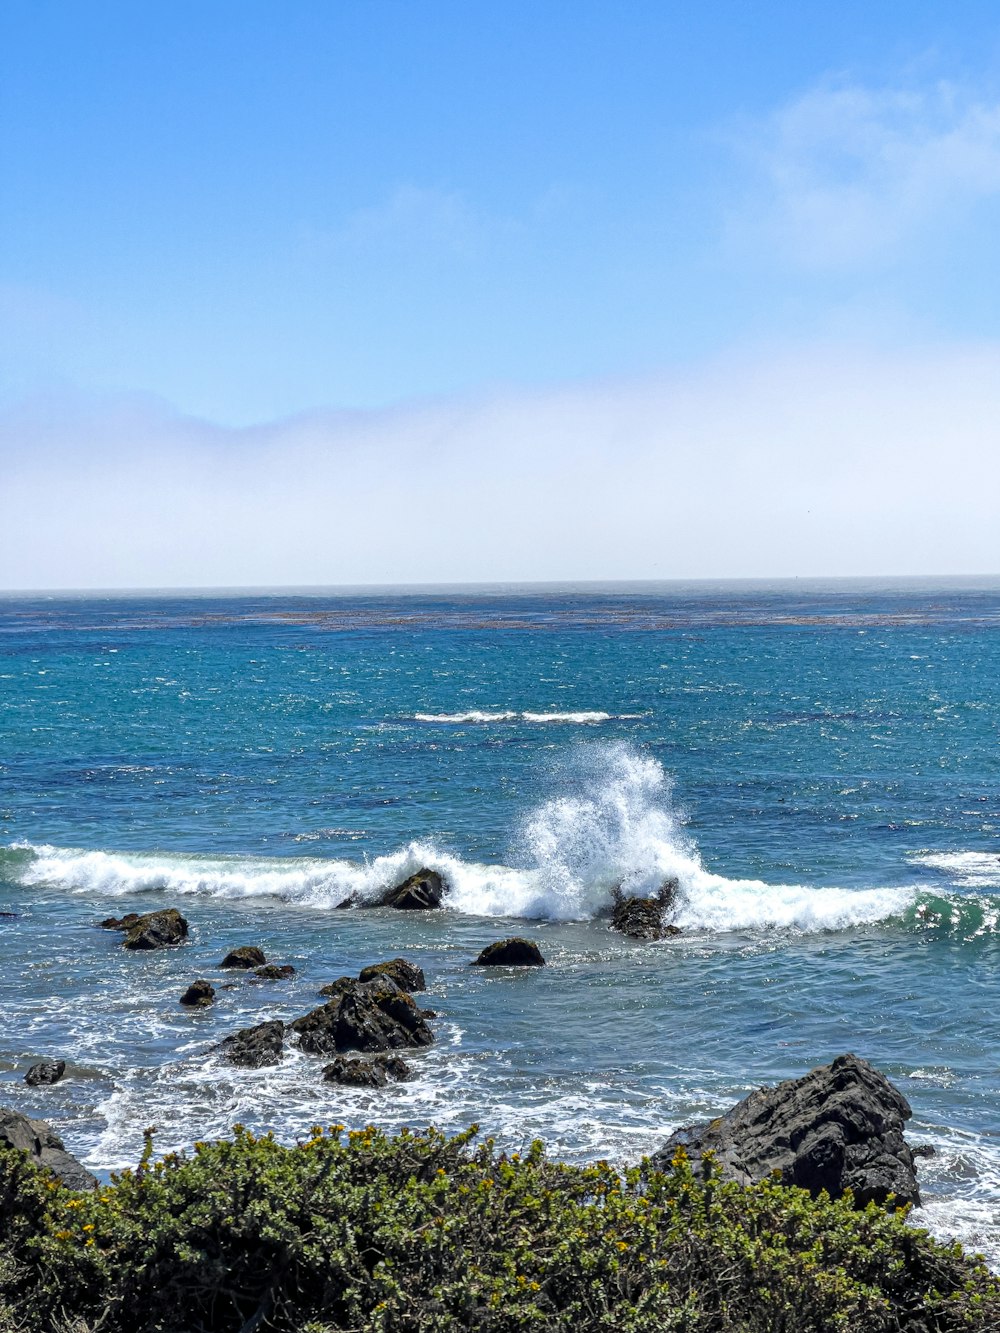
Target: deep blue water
(818, 764)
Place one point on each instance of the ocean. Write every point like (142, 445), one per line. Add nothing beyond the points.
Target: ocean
(816, 763)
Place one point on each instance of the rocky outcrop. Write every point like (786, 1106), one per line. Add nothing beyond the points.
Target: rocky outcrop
(199, 995)
(45, 1071)
(338, 987)
(246, 957)
(125, 922)
(274, 972)
(44, 1146)
(838, 1128)
(156, 930)
(420, 893)
(407, 976)
(371, 1015)
(513, 952)
(366, 1072)
(646, 918)
(257, 1046)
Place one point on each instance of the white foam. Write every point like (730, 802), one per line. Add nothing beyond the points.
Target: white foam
(968, 870)
(610, 824)
(508, 715)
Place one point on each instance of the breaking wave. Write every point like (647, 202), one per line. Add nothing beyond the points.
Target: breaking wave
(610, 824)
(478, 715)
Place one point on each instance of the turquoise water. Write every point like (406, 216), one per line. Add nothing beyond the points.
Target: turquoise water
(817, 764)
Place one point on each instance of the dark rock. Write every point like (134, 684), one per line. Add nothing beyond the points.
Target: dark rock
(46, 1071)
(839, 1127)
(120, 922)
(156, 930)
(352, 901)
(256, 1046)
(371, 1015)
(514, 952)
(339, 986)
(40, 1141)
(407, 976)
(419, 893)
(645, 918)
(371, 1072)
(246, 957)
(275, 972)
(199, 994)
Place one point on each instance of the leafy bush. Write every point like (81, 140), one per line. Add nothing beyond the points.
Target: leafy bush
(420, 1233)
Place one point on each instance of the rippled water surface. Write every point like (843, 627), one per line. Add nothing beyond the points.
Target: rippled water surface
(817, 765)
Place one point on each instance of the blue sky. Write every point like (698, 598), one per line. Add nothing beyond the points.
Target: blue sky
(243, 238)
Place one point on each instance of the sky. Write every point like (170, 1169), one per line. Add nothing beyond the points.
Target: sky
(381, 291)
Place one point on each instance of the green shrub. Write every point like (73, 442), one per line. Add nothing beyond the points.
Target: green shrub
(420, 1233)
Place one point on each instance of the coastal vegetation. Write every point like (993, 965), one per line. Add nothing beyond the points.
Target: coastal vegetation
(422, 1233)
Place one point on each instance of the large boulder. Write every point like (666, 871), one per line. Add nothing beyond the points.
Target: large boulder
(246, 957)
(645, 918)
(419, 893)
(156, 930)
(199, 995)
(407, 976)
(45, 1071)
(274, 972)
(257, 1046)
(838, 1128)
(44, 1146)
(514, 952)
(374, 1015)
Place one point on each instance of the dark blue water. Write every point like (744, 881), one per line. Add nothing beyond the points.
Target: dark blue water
(818, 765)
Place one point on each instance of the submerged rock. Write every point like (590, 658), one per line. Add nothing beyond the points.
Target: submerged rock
(125, 922)
(156, 930)
(366, 1072)
(645, 918)
(275, 972)
(45, 1071)
(374, 1015)
(257, 1046)
(513, 952)
(44, 1146)
(839, 1127)
(420, 893)
(407, 976)
(246, 957)
(198, 995)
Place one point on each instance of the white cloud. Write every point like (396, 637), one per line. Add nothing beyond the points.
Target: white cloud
(845, 175)
(819, 461)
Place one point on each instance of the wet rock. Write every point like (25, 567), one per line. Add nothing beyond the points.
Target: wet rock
(246, 957)
(45, 1071)
(839, 1127)
(275, 972)
(407, 976)
(257, 1046)
(371, 1072)
(44, 1146)
(120, 922)
(646, 918)
(338, 987)
(371, 1015)
(513, 952)
(420, 893)
(198, 995)
(156, 930)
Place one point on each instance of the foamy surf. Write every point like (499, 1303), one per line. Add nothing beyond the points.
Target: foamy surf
(971, 870)
(483, 716)
(611, 825)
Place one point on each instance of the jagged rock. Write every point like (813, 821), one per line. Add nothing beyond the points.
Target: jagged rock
(246, 957)
(407, 976)
(419, 893)
(198, 995)
(120, 922)
(839, 1127)
(275, 972)
(156, 930)
(645, 918)
(339, 986)
(371, 1072)
(514, 952)
(256, 1046)
(40, 1141)
(364, 1016)
(45, 1071)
